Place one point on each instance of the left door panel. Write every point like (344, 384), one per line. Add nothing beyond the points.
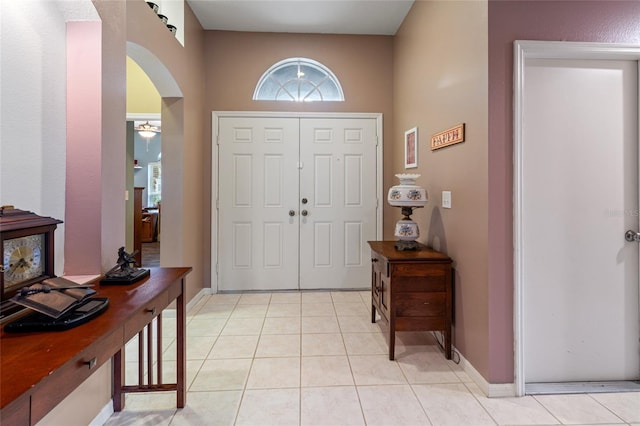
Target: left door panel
(258, 172)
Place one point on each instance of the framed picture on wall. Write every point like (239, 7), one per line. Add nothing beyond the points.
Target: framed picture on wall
(411, 148)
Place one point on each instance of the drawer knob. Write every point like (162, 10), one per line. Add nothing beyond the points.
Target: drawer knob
(152, 311)
(91, 363)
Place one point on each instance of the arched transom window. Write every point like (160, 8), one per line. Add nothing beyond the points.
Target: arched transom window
(300, 80)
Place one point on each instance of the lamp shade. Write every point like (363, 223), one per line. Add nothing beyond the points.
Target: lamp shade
(407, 193)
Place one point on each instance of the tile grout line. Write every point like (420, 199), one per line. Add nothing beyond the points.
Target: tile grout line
(607, 408)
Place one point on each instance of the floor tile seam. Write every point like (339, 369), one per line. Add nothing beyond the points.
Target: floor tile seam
(353, 377)
(364, 417)
(193, 311)
(475, 397)
(214, 342)
(235, 303)
(240, 401)
(590, 395)
(424, 409)
(548, 410)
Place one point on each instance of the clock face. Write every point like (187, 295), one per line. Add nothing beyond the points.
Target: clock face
(23, 259)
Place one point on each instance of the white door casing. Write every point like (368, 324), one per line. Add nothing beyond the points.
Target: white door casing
(327, 247)
(575, 194)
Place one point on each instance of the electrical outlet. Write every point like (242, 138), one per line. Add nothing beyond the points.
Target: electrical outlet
(446, 199)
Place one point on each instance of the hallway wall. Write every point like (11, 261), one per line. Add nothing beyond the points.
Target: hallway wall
(589, 21)
(440, 80)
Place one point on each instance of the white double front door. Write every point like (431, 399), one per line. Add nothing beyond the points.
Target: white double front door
(297, 202)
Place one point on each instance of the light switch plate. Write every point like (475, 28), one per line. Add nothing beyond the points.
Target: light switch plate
(446, 199)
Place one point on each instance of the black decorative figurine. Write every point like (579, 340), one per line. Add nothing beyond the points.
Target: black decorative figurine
(124, 272)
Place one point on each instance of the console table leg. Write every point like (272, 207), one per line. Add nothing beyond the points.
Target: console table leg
(392, 337)
(447, 344)
(181, 317)
(118, 381)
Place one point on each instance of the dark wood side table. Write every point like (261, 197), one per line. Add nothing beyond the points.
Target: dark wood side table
(411, 290)
(38, 370)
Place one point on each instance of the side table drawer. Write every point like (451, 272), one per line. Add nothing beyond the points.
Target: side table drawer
(421, 305)
(145, 316)
(414, 277)
(420, 323)
(63, 381)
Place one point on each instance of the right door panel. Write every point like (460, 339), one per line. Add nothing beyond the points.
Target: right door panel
(338, 194)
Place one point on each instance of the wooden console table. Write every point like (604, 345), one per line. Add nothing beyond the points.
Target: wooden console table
(411, 290)
(38, 370)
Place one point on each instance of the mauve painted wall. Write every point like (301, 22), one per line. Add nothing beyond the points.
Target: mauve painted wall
(586, 21)
(84, 148)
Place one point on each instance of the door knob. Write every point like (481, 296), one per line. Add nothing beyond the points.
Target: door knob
(304, 212)
(292, 212)
(632, 236)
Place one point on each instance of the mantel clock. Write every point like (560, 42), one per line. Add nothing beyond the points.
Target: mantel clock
(27, 250)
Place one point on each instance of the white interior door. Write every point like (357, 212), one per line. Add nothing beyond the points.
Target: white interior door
(579, 196)
(258, 186)
(338, 192)
(297, 202)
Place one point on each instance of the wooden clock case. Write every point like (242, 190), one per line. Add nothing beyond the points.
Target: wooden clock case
(15, 223)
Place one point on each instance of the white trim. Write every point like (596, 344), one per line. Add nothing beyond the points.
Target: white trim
(267, 114)
(194, 301)
(293, 114)
(524, 50)
(490, 390)
(214, 199)
(104, 415)
(144, 116)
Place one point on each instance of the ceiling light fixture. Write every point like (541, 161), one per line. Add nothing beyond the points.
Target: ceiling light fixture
(146, 130)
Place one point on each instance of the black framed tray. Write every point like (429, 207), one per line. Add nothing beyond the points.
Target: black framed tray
(84, 312)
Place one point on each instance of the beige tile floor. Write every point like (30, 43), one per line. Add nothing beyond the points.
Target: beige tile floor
(314, 358)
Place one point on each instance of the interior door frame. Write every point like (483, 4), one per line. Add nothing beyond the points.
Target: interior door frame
(523, 50)
(292, 114)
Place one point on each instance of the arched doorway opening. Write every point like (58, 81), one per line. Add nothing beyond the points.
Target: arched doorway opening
(169, 160)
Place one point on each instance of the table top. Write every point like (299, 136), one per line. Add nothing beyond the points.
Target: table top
(28, 358)
(423, 254)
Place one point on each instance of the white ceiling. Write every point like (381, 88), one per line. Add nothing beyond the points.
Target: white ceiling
(380, 17)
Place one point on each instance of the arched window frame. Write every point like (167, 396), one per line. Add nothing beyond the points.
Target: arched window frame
(269, 77)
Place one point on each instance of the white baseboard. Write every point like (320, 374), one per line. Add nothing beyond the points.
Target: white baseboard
(491, 390)
(104, 415)
(203, 292)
